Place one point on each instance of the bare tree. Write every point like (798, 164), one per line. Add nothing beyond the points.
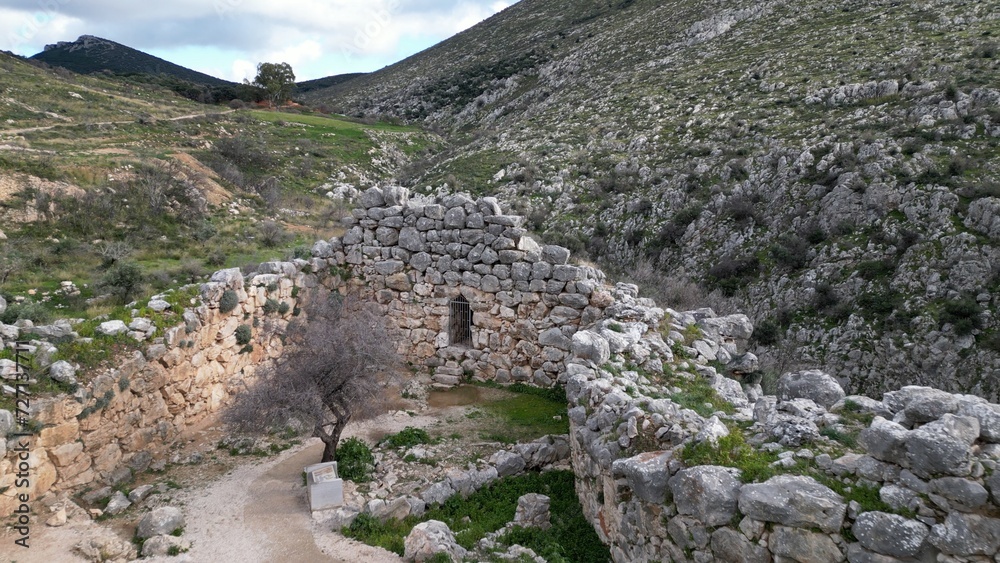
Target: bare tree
(336, 371)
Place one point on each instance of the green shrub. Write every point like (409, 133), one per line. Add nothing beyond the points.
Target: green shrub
(963, 314)
(355, 461)
(243, 334)
(698, 395)
(408, 437)
(123, 280)
(216, 258)
(29, 310)
(229, 301)
(848, 439)
(731, 274)
(791, 251)
(766, 332)
(283, 308)
(871, 270)
(270, 306)
(732, 451)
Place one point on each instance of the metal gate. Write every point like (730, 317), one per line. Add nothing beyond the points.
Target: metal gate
(460, 322)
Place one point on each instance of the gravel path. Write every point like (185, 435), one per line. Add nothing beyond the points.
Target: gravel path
(256, 513)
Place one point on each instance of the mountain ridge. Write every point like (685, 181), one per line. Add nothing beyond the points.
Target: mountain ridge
(90, 54)
(823, 166)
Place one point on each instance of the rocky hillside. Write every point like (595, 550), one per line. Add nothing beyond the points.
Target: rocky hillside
(825, 167)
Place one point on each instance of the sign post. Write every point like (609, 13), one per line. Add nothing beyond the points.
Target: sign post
(326, 488)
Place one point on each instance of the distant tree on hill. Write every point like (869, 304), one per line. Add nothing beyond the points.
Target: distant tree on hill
(276, 81)
(334, 372)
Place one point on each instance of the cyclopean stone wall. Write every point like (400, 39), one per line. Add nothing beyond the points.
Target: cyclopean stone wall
(123, 421)
(416, 256)
(919, 482)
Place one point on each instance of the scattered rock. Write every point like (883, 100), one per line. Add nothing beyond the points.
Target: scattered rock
(430, 538)
(533, 511)
(111, 328)
(118, 504)
(106, 547)
(160, 546)
(161, 521)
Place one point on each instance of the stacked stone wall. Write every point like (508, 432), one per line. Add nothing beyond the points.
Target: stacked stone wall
(931, 456)
(416, 257)
(124, 419)
(920, 484)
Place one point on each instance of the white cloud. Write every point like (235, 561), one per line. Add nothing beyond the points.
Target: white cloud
(331, 34)
(241, 70)
(25, 32)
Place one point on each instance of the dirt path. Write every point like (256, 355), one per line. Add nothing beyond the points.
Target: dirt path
(102, 123)
(256, 513)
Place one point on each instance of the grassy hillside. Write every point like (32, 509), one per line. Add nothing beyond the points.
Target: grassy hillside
(828, 167)
(95, 174)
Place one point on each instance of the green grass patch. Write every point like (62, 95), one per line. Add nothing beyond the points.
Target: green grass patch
(407, 438)
(571, 537)
(732, 451)
(696, 394)
(526, 417)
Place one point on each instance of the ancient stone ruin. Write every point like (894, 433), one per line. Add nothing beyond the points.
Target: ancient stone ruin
(665, 470)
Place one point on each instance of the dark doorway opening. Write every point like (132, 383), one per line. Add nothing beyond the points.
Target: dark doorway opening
(460, 322)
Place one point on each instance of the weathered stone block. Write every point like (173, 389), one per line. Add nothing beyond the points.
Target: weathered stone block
(890, 534)
(794, 500)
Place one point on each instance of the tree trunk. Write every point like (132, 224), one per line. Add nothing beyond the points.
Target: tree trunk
(329, 449)
(331, 439)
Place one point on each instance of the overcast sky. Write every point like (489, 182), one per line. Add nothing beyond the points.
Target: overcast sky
(227, 38)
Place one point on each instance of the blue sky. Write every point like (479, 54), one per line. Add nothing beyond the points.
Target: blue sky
(227, 38)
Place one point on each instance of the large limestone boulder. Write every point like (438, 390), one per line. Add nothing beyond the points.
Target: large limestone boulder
(794, 500)
(160, 546)
(63, 372)
(507, 463)
(430, 538)
(161, 521)
(709, 493)
(967, 534)
(646, 473)
(924, 403)
(942, 447)
(372, 197)
(589, 345)
(730, 546)
(731, 327)
(884, 440)
(890, 534)
(111, 328)
(118, 503)
(797, 544)
(988, 416)
(813, 384)
(533, 511)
